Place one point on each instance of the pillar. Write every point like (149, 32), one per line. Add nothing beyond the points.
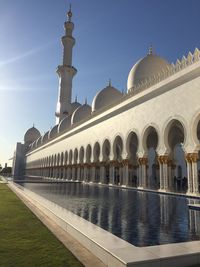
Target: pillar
(189, 173)
(195, 158)
(143, 172)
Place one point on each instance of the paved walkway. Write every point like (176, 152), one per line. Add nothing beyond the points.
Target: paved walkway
(80, 252)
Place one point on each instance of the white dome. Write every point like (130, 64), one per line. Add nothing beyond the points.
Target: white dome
(31, 135)
(144, 69)
(74, 106)
(53, 132)
(81, 113)
(38, 141)
(105, 97)
(45, 137)
(64, 124)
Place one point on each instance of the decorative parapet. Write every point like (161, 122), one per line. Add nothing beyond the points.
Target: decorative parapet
(185, 62)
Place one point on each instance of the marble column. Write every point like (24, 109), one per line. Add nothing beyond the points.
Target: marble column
(143, 172)
(189, 173)
(194, 159)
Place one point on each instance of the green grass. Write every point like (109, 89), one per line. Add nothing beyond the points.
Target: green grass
(24, 240)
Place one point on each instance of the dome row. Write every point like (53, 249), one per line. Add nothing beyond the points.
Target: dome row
(144, 69)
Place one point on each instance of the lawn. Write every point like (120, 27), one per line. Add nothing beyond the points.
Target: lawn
(24, 240)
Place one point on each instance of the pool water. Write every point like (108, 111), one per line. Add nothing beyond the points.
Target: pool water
(141, 218)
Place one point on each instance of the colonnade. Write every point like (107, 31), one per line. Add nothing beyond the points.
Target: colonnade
(122, 173)
(132, 161)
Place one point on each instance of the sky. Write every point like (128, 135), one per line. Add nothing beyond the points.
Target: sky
(111, 35)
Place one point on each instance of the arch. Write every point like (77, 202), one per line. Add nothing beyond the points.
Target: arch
(150, 137)
(150, 141)
(166, 128)
(88, 153)
(81, 155)
(132, 142)
(62, 159)
(75, 155)
(106, 149)
(195, 129)
(55, 160)
(58, 160)
(180, 131)
(175, 138)
(70, 156)
(96, 152)
(66, 158)
(118, 148)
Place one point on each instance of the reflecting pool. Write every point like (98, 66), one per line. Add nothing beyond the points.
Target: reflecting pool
(141, 218)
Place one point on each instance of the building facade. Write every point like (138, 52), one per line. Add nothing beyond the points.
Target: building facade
(145, 138)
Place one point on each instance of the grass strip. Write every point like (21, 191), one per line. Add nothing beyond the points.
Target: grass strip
(24, 240)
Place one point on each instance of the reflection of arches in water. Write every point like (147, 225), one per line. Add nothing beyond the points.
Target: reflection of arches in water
(97, 174)
(194, 219)
(117, 175)
(107, 173)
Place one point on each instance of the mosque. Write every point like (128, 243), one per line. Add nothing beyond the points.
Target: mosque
(146, 138)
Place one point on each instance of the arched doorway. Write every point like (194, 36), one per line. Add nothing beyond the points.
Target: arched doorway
(106, 158)
(177, 176)
(96, 155)
(117, 152)
(150, 145)
(132, 147)
(81, 161)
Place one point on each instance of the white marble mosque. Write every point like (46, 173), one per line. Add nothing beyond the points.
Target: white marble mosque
(147, 138)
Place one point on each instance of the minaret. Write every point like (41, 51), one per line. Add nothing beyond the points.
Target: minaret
(66, 72)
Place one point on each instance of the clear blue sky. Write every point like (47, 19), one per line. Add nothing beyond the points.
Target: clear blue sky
(110, 37)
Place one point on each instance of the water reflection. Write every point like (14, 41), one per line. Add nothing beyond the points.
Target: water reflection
(138, 217)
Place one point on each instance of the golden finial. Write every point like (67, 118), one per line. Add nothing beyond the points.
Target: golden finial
(150, 50)
(69, 13)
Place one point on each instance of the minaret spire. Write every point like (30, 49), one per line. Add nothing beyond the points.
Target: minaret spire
(66, 71)
(69, 13)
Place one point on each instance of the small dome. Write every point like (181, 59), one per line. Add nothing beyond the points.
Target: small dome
(74, 106)
(105, 97)
(38, 141)
(81, 113)
(64, 124)
(53, 132)
(31, 135)
(145, 68)
(45, 137)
